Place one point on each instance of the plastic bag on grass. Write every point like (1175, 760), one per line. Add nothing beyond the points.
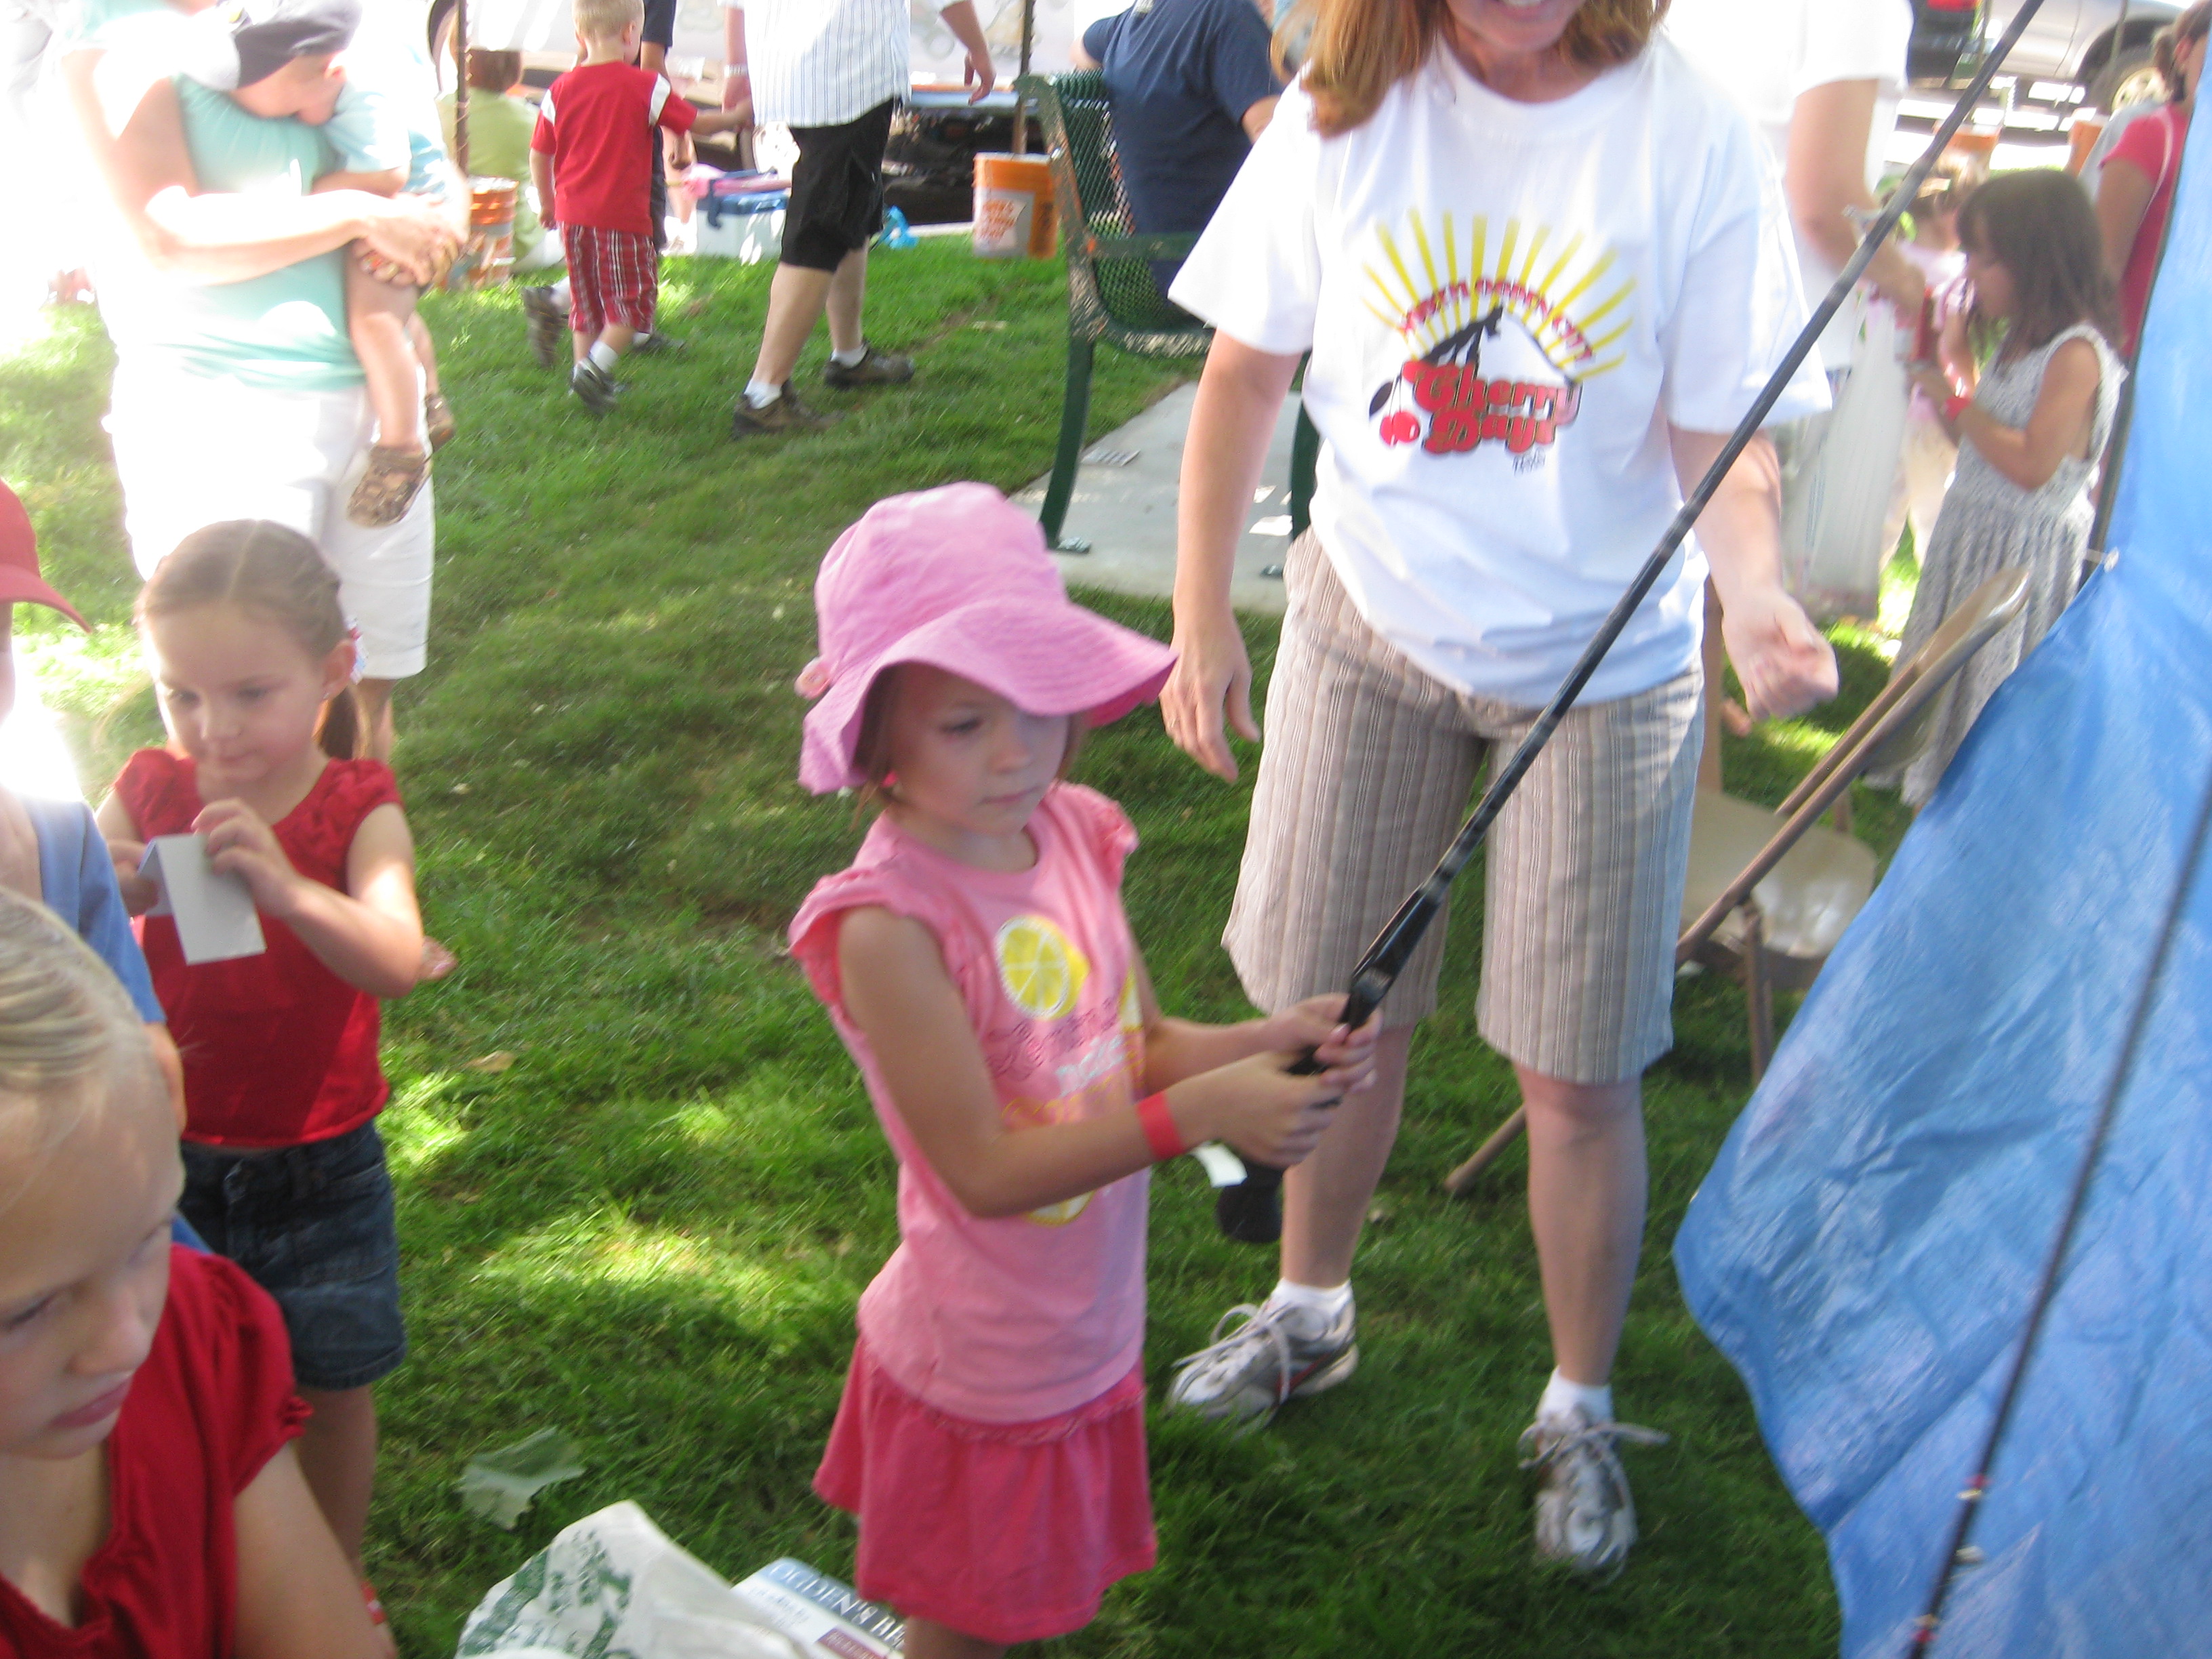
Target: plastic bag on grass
(615, 1584)
(1837, 482)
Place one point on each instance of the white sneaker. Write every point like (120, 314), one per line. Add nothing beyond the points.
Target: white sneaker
(1276, 1354)
(1585, 1520)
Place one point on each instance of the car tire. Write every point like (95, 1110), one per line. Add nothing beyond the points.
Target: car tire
(2106, 89)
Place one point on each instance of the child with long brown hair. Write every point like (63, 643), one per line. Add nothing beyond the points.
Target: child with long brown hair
(2029, 429)
(254, 664)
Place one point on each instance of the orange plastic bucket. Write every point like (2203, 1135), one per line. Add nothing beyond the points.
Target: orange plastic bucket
(1014, 210)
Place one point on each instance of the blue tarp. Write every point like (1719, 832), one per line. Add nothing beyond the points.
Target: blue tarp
(1868, 1245)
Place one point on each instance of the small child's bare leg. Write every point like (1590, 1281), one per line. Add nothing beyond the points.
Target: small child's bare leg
(377, 318)
(426, 351)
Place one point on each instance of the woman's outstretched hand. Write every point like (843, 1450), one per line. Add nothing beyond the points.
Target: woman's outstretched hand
(1212, 679)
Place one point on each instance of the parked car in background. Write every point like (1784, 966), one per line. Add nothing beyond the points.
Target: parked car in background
(2094, 52)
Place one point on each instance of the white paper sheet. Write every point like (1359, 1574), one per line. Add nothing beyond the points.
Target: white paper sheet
(214, 915)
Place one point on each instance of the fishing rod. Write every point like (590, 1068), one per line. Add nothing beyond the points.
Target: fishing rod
(1250, 1210)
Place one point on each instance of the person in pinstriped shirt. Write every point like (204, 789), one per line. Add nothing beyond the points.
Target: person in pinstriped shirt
(832, 70)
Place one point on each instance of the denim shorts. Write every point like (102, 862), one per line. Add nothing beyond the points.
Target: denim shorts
(312, 1225)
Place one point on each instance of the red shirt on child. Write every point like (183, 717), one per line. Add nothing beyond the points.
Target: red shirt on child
(278, 1050)
(599, 124)
(210, 1407)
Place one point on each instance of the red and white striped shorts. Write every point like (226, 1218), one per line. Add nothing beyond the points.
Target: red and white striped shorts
(614, 277)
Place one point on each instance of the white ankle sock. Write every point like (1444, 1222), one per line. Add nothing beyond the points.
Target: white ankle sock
(1325, 1306)
(760, 393)
(605, 356)
(1561, 1396)
(560, 292)
(850, 359)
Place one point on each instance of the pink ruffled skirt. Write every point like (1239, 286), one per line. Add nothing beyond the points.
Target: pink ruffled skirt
(1010, 1532)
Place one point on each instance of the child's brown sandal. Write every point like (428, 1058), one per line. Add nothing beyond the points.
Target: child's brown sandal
(389, 487)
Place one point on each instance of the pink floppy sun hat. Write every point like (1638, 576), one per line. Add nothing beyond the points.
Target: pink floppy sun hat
(958, 578)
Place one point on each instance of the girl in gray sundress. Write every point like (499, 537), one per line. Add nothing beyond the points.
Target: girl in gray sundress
(2029, 432)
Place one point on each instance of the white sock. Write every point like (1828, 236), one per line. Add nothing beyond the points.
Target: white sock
(1561, 1396)
(761, 394)
(560, 291)
(605, 356)
(1324, 1308)
(850, 359)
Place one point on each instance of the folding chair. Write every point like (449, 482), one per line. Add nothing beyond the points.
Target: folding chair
(1111, 294)
(1770, 893)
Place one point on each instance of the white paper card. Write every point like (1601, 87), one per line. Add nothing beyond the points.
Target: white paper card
(214, 912)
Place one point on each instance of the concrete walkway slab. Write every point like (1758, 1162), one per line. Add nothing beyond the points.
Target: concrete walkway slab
(1125, 506)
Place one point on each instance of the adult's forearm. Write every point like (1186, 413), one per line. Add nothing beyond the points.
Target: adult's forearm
(960, 17)
(1740, 529)
(1239, 396)
(230, 238)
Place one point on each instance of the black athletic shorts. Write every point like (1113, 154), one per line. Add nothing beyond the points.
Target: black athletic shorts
(836, 189)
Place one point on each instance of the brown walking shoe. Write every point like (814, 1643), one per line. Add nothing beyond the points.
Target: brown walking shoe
(875, 369)
(785, 414)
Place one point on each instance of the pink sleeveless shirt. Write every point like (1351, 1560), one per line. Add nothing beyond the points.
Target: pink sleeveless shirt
(1011, 1320)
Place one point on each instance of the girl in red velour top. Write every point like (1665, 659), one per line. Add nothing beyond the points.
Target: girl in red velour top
(976, 962)
(151, 1506)
(284, 1174)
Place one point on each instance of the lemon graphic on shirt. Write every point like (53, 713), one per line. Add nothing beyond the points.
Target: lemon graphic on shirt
(1041, 967)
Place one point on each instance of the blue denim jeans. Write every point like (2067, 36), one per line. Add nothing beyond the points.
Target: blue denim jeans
(312, 1225)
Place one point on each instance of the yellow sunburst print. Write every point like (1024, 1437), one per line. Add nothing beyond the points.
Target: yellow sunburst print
(1428, 285)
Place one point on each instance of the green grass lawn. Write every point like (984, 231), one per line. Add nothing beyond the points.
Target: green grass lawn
(651, 1230)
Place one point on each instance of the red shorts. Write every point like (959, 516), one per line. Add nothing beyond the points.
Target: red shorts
(614, 277)
(1010, 1532)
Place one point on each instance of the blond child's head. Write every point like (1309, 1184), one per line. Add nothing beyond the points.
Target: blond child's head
(89, 1177)
(610, 27)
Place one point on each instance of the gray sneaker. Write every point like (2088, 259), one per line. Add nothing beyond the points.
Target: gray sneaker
(1274, 1356)
(785, 414)
(598, 390)
(875, 369)
(1585, 1520)
(547, 319)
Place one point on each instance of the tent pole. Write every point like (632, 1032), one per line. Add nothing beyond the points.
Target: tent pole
(461, 89)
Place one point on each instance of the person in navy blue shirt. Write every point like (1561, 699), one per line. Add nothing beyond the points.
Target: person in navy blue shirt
(1193, 83)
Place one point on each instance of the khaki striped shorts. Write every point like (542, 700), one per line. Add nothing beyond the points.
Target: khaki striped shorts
(1368, 769)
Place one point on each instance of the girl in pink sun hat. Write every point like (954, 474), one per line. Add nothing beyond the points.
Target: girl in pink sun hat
(976, 961)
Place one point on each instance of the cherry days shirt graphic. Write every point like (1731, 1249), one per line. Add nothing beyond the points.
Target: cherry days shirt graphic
(1497, 354)
(1016, 1318)
(1507, 305)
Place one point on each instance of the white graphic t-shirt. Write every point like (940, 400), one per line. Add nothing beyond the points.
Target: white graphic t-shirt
(1507, 305)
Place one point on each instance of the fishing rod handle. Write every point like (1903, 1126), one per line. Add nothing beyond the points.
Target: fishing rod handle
(1251, 1211)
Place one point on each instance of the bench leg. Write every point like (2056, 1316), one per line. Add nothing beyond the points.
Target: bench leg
(1305, 464)
(1074, 418)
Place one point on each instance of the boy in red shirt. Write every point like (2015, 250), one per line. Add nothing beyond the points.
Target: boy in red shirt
(592, 160)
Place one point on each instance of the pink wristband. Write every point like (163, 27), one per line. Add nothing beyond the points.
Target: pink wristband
(1159, 1127)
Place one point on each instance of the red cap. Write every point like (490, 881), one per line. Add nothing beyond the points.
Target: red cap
(19, 580)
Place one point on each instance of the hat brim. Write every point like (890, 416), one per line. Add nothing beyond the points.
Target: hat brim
(1050, 661)
(19, 586)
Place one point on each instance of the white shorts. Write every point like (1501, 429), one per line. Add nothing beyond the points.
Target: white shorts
(193, 451)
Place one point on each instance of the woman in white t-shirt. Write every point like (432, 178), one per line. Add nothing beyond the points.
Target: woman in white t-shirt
(1542, 268)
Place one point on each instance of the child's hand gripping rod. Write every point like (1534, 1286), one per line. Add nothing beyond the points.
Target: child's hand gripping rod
(1249, 1211)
